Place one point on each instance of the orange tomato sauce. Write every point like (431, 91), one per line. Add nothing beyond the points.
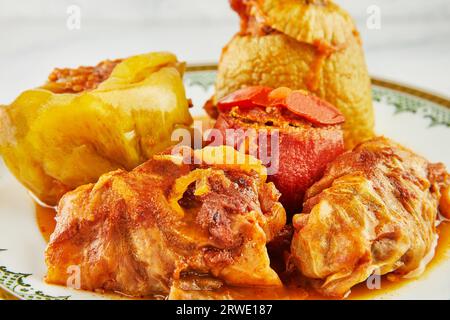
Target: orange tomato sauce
(46, 221)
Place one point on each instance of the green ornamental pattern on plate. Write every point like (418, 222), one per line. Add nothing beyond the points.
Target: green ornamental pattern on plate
(405, 103)
(204, 79)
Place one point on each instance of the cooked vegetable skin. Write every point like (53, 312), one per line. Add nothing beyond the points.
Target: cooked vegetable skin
(88, 121)
(304, 150)
(135, 232)
(310, 45)
(374, 210)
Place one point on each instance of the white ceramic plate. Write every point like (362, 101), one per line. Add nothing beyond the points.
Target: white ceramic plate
(416, 119)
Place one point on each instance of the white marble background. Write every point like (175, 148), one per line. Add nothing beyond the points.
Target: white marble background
(412, 46)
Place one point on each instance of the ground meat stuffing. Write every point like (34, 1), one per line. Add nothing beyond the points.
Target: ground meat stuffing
(67, 80)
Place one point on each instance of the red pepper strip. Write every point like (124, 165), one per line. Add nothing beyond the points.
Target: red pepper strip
(278, 96)
(246, 97)
(313, 109)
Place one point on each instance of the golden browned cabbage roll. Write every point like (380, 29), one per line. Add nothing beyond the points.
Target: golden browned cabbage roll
(177, 216)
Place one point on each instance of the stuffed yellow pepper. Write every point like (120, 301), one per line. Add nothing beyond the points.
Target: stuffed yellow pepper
(87, 121)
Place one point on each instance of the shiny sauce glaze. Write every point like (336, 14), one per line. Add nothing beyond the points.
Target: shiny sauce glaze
(45, 217)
